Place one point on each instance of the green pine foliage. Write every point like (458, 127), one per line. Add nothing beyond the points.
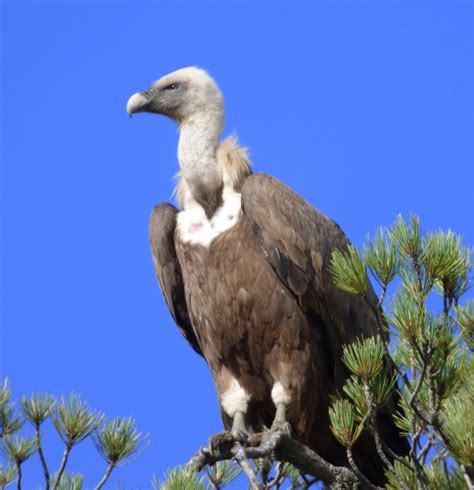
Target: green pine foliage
(118, 441)
(364, 358)
(7, 474)
(273, 475)
(37, 408)
(349, 271)
(180, 478)
(18, 449)
(74, 421)
(70, 481)
(343, 417)
(465, 317)
(222, 473)
(10, 421)
(422, 278)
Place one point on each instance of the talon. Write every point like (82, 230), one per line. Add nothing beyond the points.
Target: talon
(280, 426)
(221, 438)
(255, 440)
(279, 423)
(240, 436)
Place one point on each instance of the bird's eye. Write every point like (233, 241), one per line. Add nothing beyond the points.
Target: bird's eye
(173, 86)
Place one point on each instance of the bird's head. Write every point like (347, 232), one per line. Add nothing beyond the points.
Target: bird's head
(179, 95)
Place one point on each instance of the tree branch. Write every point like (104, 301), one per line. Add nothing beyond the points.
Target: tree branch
(241, 457)
(18, 472)
(467, 479)
(105, 477)
(278, 476)
(62, 466)
(281, 447)
(41, 456)
(356, 470)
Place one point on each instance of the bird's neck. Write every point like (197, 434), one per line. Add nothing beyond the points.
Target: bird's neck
(198, 141)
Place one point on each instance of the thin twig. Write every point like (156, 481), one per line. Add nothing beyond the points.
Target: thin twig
(419, 382)
(432, 396)
(467, 479)
(41, 456)
(263, 466)
(62, 466)
(375, 432)
(416, 433)
(278, 476)
(307, 481)
(379, 446)
(417, 268)
(105, 477)
(382, 296)
(425, 449)
(311, 482)
(356, 470)
(241, 458)
(18, 471)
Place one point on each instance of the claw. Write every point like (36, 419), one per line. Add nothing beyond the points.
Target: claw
(221, 438)
(280, 426)
(240, 436)
(228, 437)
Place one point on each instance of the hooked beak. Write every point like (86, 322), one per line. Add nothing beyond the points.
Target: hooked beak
(138, 102)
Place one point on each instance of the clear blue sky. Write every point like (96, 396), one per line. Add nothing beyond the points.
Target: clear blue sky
(364, 108)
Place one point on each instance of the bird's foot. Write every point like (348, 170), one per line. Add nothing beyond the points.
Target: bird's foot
(281, 426)
(240, 436)
(220, 439)
(278, 427)
(228, 438)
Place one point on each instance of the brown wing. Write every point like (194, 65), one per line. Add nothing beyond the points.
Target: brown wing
(298, 241)
(168, 270)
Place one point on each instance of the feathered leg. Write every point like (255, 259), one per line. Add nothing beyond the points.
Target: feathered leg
(281, 399)
(234, 402)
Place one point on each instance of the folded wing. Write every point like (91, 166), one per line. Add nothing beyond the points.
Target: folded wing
(168, 270)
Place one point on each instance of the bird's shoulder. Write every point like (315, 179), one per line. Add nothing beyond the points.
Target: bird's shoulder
(281, 213)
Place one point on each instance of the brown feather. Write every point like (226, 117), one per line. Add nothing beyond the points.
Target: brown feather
(260, 305)
(161, 229)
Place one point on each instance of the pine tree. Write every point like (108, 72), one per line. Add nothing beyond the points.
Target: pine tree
(117, 441)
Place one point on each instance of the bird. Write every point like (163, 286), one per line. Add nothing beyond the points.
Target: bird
(243, 264)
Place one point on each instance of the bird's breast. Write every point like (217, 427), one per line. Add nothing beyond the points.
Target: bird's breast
(194, 227)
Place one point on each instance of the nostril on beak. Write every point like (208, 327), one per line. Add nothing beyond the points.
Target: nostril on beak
(147, 93)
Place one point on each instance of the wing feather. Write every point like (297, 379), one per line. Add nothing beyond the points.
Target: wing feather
(298, 241)
(162, 229)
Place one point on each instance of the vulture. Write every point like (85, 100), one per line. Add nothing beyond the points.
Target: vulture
(243, 267)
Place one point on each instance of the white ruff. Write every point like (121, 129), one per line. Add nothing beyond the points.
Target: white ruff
(279, 394)
(194, 226)
(235, 399)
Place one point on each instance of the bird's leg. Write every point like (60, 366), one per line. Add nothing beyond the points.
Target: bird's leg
(239, 427)
(280, 415)
(238, 433)
(234, 401)
(280, 423)
(281, 400)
